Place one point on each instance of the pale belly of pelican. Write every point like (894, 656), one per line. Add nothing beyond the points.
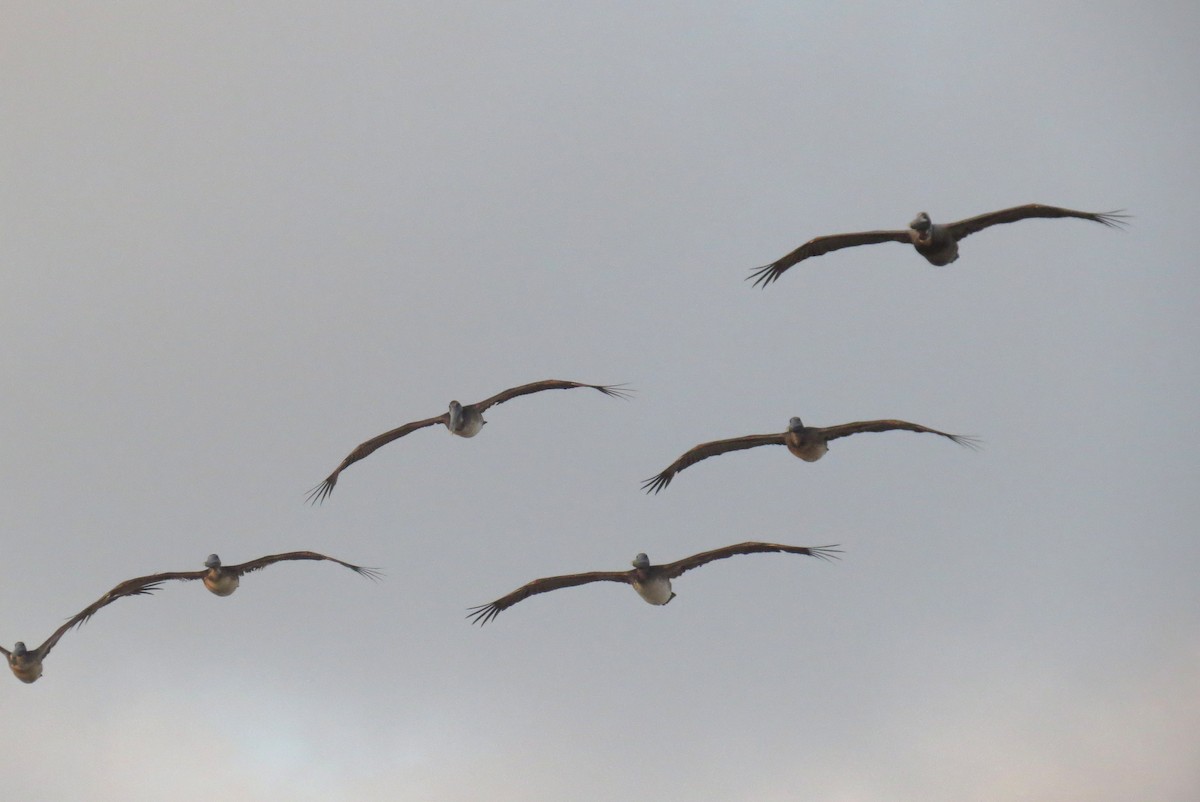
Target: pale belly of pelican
(655, 591)
(223, 585)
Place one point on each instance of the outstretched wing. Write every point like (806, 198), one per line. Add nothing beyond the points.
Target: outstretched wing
(815, 247)
(696, 560)
(847, 429)
(141, 586)
(263, 562)
(322, 491)
(964, 228)
(614, 390)
(706, 450)
(486, 612)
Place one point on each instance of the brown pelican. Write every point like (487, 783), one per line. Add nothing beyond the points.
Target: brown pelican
(27, 665)
(809, 443)
(464, 421)
(937, 243)
(220, 579)
(224, 579)
(652, 582)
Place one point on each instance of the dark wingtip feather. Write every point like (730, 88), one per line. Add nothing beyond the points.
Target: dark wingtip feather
(764, 275)
(623, 391)
(374, 574)
(967, 441)
(1114, 219)
(827, 553)
(321, 492)
(656, 483)
(483, 613)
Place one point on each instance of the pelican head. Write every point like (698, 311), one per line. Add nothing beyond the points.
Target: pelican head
(795, 424)
(921, 223)
(641, 561)
(213, 561)
(19, 649)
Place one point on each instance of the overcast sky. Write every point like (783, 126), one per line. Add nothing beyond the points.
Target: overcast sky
(237, 239)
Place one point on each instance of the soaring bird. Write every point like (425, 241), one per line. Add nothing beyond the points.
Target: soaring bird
(809, 443)
(936, 242)
(652, 582)
(220, 579)
(27, 665)
(464, 421)
(224, 579)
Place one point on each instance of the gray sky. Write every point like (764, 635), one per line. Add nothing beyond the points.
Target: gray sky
(237, 241)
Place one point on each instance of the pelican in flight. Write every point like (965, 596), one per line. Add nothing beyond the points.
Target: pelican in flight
(224, 579)
(809, 443)
(652, 582)
(464, 421)
(220, 579)
(26, 665)
(938, 243)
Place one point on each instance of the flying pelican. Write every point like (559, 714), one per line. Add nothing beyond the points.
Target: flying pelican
(224, 579)
(652, 582)
(464, 421)
(27, 665)
(220, 579)
(809, 443)
(937, 243)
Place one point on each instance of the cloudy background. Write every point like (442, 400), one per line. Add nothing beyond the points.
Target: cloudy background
(238, 239)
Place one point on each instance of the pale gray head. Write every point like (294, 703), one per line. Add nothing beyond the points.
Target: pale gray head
(921, 223)
(795, 424)
(641, 561)
(213, 561)
(455, 416)
(19, 648)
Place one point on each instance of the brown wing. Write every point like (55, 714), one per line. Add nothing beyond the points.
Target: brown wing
(696, 560)
(614, 390)
(322, 491)
(263, 562)
(815, 247)
(847, 429)
(964, 228)
(486, 612)
(141, 586)
(706, 450)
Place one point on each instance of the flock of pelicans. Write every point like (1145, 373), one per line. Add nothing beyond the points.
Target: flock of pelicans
(937, 243)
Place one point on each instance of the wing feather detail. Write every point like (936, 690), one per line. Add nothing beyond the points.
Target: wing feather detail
(752, 547)
(612, 390)
(847, 429)
(486, 612)
(705, 450)
(270, 559)
(321, 492)
(762, 276)
(964, 228)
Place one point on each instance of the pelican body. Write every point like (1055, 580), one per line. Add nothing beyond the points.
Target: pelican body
(651, 582)
(936, 243)
(805, 442)
(26, 665)
(464, 421)
(221, 581)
